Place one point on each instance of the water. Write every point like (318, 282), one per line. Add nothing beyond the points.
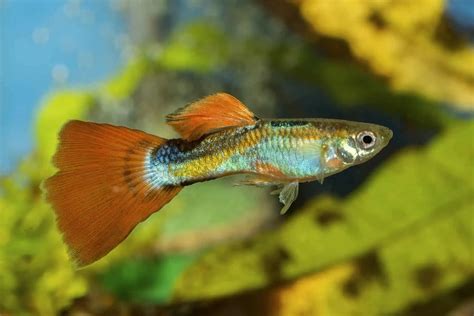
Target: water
(47, 45)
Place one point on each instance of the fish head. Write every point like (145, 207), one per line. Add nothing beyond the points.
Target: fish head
(359, 142)
(349, 143)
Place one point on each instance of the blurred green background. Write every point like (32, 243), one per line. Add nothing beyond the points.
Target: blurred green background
(394, 236)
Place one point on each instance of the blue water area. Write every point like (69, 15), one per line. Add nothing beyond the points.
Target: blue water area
(462, 14)
(47, 45)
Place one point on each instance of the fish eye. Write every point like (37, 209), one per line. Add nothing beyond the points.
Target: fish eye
(366, 139)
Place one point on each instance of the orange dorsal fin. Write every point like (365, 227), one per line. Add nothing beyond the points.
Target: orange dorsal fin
(102, 188)
(213, 113)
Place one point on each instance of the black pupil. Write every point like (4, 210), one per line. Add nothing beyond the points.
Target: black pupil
(367, 139)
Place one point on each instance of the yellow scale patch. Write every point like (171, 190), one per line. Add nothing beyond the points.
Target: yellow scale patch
(205, 165)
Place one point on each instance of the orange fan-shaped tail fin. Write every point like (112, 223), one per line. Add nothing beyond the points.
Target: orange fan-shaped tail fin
(101, 192)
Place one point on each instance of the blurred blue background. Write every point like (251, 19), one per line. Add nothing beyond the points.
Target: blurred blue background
(52, 44)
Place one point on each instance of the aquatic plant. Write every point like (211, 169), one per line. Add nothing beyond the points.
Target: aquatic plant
(406, 43)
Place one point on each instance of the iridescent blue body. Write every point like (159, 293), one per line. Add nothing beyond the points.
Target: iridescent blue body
(274, 151)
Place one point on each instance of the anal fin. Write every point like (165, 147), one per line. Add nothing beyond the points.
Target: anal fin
(257, 180)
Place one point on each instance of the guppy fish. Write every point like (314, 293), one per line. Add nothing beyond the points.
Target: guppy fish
(111, 178)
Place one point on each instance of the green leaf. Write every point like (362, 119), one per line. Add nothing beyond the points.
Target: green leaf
(146, 280)
(199, 47)
(36, 276)
(410, 226)
(387, 38)
(57, 109)
(126, 81)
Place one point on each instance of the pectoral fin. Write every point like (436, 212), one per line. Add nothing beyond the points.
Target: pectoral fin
(288, 194)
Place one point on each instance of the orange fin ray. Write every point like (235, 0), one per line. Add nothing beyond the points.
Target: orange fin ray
(213, 113)
(101, 192)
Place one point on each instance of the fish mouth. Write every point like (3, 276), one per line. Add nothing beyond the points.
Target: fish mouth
(386, 135)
